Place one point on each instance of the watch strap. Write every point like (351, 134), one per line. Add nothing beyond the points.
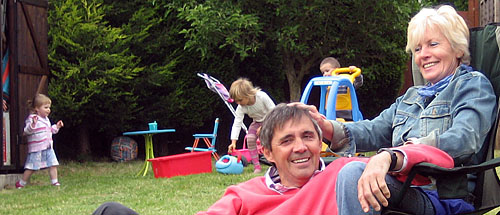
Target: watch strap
(394, 157)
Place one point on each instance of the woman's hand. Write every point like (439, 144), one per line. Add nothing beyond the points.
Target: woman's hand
(323, 123)
(312, 110)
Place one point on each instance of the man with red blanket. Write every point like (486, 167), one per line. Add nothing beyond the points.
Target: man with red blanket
(299, 182)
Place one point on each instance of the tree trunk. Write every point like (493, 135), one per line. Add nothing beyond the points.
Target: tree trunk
(83, 141)
(294, 86)
(296, 68)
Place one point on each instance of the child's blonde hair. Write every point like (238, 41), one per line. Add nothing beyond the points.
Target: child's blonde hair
(242, 88)
(37, 101)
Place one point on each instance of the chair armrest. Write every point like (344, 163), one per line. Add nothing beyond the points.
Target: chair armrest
(428, 169)
(450, 182)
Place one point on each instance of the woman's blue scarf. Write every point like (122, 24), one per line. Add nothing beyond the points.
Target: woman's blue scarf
(431, 90)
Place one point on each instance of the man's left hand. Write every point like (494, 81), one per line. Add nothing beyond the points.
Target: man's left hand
(372, 187)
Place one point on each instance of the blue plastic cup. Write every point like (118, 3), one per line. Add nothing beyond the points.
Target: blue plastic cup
(153, 126)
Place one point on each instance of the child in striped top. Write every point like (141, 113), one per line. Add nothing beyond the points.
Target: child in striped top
(38, 131)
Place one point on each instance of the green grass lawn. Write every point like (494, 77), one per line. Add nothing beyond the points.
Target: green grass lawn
(84, 186)
(87, 185)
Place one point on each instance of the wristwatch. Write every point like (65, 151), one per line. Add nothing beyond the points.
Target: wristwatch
(394, 158)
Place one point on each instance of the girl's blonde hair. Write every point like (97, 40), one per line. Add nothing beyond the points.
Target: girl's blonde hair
(446, 19)
(37, 101)
(242, 88)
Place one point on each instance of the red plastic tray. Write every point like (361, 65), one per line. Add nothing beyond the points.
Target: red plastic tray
(182, 164)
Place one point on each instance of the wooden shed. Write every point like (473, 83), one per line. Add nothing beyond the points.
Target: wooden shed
(25, 26)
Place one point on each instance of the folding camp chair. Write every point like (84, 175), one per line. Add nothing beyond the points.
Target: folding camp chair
(206, 137)
(452, 183)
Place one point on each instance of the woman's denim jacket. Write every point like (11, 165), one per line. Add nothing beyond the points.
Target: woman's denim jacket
(456, 120)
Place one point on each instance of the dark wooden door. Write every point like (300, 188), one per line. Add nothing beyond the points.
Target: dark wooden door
(27, 28)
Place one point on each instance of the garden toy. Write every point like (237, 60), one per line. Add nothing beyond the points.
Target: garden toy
(123, 149)
(342, 79)
(340, 87)
(216, 86)
(244, 152)
(228, 164)
(182, 164)
(206, 137)
(148, 145)
(344, 103)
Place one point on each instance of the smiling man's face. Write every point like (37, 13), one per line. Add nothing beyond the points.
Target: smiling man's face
(295, 151)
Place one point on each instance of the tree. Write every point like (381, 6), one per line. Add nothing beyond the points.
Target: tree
(369, 34)
(167, 88)
(91, 68)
